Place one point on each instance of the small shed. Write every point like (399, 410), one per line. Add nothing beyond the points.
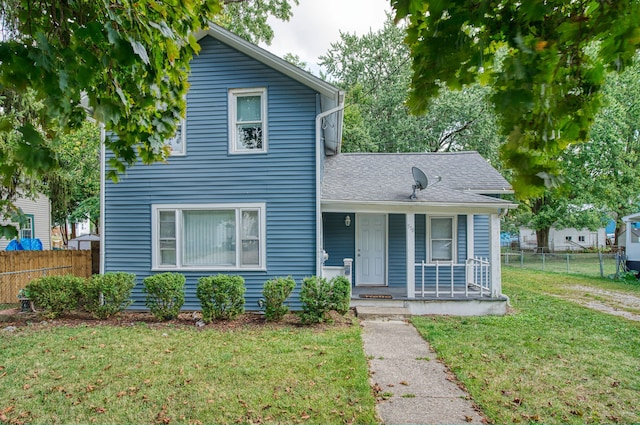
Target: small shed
(632, 240)
(82, 241)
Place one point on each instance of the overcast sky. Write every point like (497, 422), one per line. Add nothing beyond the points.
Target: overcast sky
(317, 23)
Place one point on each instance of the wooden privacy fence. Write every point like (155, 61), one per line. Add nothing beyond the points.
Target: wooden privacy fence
(18, 268)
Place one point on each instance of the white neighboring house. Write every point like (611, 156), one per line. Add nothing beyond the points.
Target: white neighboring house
(569, 239)
(38, 213)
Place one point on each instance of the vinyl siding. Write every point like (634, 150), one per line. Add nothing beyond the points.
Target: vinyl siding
(283, 178)
(481, 237)
(339, 240)
(462, 239)
(40, 209)
(421, 235)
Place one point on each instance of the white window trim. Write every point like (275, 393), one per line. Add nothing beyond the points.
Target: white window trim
(155, 235)
(183, 137)
(454, 237)
(233, 93)
(31, 228)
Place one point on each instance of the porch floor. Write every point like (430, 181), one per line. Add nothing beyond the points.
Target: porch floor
(400, 293)
(385, 298)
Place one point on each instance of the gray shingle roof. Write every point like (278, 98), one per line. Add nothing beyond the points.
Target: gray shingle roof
(370, 177)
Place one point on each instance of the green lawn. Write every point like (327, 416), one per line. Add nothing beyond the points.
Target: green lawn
(550, 361)
(143, 374)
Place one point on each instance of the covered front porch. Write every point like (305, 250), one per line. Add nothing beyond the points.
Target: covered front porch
(434, 291)
(435, 263)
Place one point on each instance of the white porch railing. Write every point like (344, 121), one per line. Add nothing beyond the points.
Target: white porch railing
(454, 279)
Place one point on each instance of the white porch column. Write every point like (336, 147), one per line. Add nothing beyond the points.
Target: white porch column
(496, 277)
(411, 254)
(470, 233)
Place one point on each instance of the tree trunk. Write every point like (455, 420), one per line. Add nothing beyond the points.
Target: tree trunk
(542, 237)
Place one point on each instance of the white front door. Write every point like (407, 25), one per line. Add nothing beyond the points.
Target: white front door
(371, 249)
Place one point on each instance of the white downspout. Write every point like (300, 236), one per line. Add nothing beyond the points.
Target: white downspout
(102, 195)
(320, 147)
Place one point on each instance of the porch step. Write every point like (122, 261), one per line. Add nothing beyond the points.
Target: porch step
(382, 313)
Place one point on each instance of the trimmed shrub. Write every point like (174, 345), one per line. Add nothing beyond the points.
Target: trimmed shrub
(275, 292)
(55, 295)
(165, 294)
(221, 296)
(108, 294)
(340, 297)
(314, 296)
(319, 296)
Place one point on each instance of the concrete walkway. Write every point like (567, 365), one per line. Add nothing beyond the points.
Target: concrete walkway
(404, 369)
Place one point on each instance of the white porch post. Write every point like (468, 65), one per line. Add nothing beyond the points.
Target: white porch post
(411, 254)
(496, 278)
(470, 232)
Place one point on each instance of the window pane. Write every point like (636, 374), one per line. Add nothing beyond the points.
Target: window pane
(441, 250)
(250, 238)
(167, 238)
(441, 228)
(176, 141)
(249, 108)
(249, 136)
(209, 238)
(250, 226)
(168, 256)
(167, 224)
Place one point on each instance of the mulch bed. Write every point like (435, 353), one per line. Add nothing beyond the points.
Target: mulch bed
(16, 318)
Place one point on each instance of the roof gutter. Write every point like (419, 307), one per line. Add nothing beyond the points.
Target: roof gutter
(319, 155)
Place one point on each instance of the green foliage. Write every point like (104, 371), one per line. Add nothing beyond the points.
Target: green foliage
(221, 296)
(125, 65)
(545, 61)
(74, 186)
(340, 298)
(108, 294)
(275, 293)
(56, 295)
(630, 277)
(319, 296)
(375, 71)
(165, 294)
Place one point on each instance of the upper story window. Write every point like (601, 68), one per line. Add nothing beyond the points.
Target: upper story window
(248, 120)
(178, 143)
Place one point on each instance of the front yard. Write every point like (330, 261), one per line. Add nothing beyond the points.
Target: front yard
(553, 359)
(163, 374)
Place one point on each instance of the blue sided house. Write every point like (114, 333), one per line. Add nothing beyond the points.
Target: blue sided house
(256, 186)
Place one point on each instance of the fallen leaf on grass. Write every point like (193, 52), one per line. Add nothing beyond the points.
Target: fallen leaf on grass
(26, 386)
(101, 409)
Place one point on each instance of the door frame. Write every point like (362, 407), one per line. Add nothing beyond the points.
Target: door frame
(386, 250)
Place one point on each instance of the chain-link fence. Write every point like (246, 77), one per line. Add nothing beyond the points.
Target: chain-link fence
(12, 282)
(590, 264)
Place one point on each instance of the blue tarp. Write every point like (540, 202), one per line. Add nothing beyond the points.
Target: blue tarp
(25, 244)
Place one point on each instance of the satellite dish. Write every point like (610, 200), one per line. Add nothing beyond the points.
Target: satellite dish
(420, 178)
(421, 181)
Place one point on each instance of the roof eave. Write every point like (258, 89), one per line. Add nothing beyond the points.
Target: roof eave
(496, 204)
